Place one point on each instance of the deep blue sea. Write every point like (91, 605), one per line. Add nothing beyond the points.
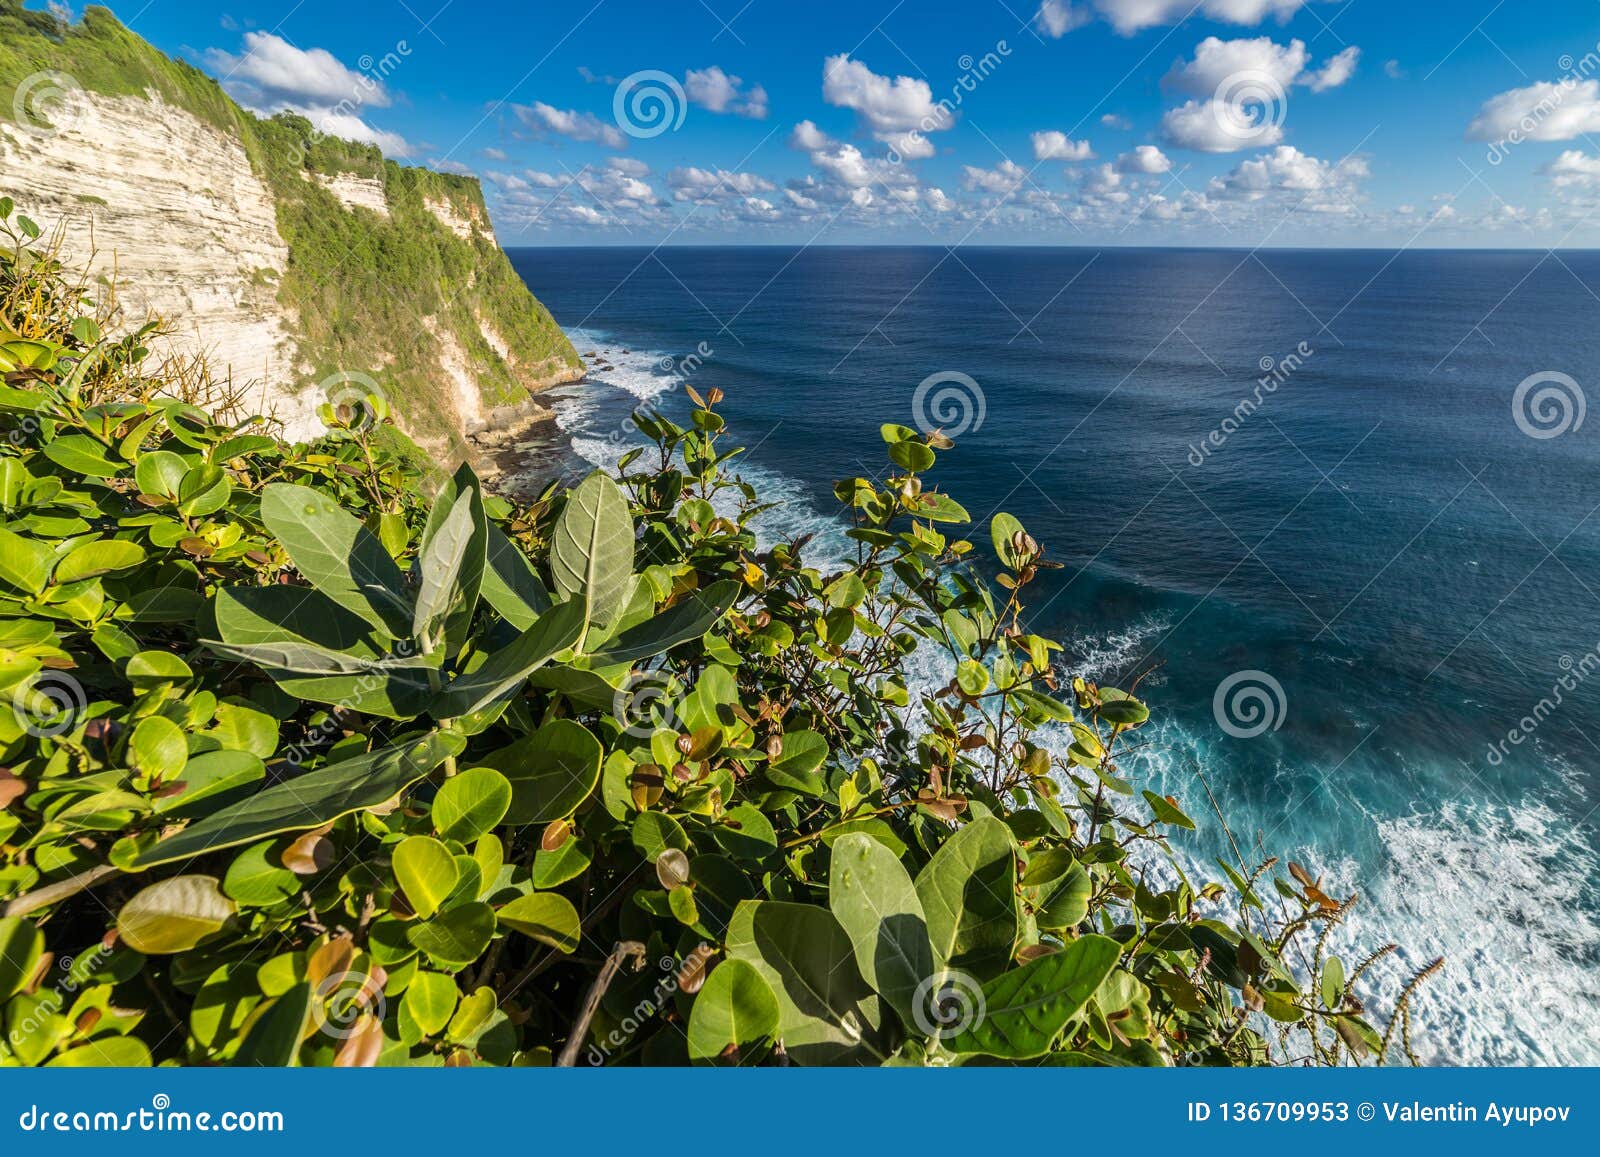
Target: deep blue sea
(1388, 560)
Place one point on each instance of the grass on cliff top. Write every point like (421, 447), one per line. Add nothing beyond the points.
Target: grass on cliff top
(373, 295)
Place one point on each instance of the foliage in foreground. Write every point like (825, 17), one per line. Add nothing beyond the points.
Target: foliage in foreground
(306, 766)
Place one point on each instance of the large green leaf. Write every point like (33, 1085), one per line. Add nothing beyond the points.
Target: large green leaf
(826, 1013)
(426, 871)
(310, 800)
(21, 944)
(681, 623)
(876, 904)
(591, 551)
(797, 767)
(450, 563)
(338, 555)
(551, 771)
(968, 893)
(24, 563)
(547, 917)
(1024, 1009)
(506, 669)
(275, 1035)
(735, 1016)
(470, 804)
(173, 915)
(510, 584)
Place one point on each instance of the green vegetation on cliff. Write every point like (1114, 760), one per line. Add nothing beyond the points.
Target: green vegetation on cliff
(305, 763)
(369, 294)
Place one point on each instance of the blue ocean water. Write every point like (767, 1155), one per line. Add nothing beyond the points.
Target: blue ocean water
(1337, 508)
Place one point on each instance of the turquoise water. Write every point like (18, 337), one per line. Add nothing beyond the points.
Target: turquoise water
(1387, 552)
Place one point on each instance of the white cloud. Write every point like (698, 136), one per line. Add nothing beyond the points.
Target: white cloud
(271, 76)
(1116, 121)
(1217, 60)
(1339, 68)
(909, 146)
(1144, 159)
(1129, 16)
(1392, 69)
(1574, 167)
(1547, 111)
(1058, 17)
(809, 137)
(696, 184)
(1215, 126)
(937, 201)
(494, 154)
(580, 126)
(1003, 178)
(715, 90)
(1104, 182)
(1054, 146)
(1287, 169)
(887, 106)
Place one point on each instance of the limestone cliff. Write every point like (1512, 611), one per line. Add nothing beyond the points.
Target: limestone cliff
(303, 267)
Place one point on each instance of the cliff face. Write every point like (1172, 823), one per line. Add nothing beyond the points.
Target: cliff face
(305, 268)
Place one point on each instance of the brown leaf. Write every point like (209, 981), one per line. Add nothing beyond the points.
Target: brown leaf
(332, 959)
(672, 868)
(10, 788)
(1035, 951)
(310, 854)
(692, 974)
(361, 1048)
(557, 833)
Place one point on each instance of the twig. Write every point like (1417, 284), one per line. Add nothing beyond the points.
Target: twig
(625, 949)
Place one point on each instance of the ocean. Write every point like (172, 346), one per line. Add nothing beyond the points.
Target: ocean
(1337, 508)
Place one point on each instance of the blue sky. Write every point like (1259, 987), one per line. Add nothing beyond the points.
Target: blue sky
(1206, 122)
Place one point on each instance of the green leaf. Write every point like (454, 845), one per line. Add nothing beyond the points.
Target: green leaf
(173, 915)
(204, 490)
(157, 748)
(456, 938)
(208, 774)
(24, 563)
(430, 1001)
(160, 472)
(1066, 902)
(470, 804)
(826, 1013)
(450, 562)
(506, 669)
(112, 1052)
(972, 677)
(510, 584)
(547, 917)
(734, 1017)
(551, 771)
(81, 454)
(683, 622)
(338, 555)
(1024, 1009)
(1126, 710)
(1167, 811)
(426, 871)
(796, 766)
(876, 904)
(21, 944)
(310, 800)
(1002, 529)
(275, 1035)
(256, 879)
(1332, 982)
(591, 550)
(968, 894)
(93, 559)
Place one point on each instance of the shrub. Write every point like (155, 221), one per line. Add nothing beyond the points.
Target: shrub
(309, 765)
